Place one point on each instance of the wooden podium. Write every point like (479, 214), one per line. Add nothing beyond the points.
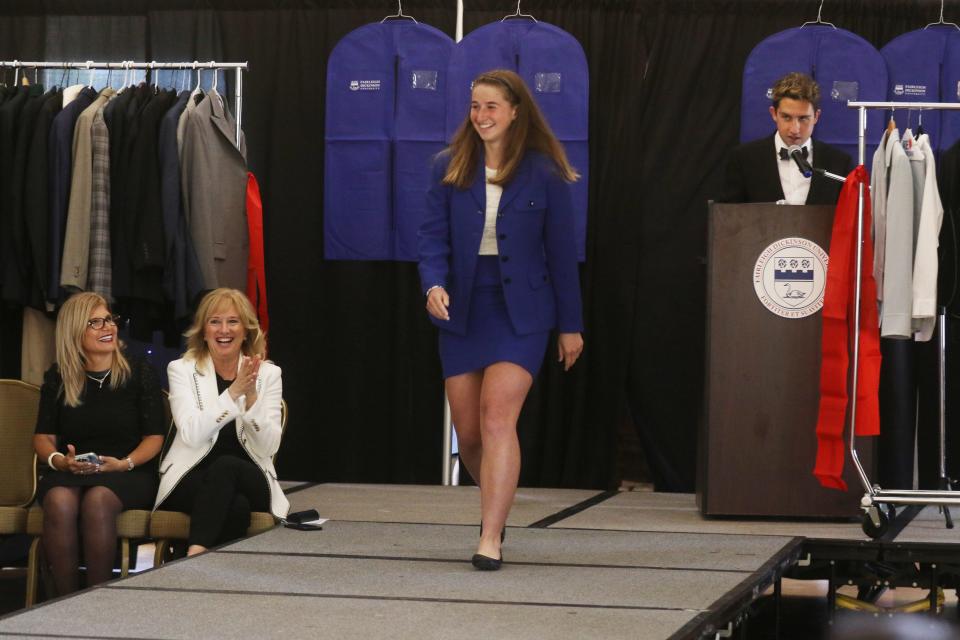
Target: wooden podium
(757, 441)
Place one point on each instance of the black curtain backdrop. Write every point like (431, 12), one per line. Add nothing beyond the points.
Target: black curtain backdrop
(361, 371)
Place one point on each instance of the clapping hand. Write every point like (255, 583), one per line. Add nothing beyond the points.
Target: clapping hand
(245, 384)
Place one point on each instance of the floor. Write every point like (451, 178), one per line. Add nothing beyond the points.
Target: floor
(392, 562)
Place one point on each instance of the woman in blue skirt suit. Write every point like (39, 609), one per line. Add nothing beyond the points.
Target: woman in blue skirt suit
(498, 266)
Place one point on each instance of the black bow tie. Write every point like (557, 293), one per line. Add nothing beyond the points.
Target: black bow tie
(785, 155)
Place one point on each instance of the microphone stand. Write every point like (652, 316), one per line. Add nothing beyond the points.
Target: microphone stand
(827, 174)
(807, 169)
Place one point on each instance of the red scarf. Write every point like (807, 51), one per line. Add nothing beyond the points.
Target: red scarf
(837, 327)
(256, 271)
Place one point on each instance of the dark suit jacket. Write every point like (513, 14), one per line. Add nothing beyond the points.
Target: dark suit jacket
(535, 240)
(15, 276)
(182, 278)
(60, 164)
(752, 173)
(36, 200)
(9, 247)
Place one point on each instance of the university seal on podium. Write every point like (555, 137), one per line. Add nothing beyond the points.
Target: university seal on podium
(790, 276)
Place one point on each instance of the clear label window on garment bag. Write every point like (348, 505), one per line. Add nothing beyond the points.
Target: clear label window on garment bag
(844, 90)
(547, 82)
(423, 79)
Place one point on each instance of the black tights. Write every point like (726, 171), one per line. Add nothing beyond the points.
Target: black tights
(219, 496)
(95, 510)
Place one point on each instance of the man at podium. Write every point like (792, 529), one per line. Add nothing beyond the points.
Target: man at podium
(765, 170)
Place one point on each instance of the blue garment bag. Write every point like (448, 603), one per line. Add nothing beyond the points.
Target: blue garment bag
(386, 107)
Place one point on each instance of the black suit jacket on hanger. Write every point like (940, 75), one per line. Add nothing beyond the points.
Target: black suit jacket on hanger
(752, 174)
(36, 209)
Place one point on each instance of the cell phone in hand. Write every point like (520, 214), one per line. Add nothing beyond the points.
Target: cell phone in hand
(90, 457)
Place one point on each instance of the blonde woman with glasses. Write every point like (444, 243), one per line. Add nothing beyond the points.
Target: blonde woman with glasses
(99, 428)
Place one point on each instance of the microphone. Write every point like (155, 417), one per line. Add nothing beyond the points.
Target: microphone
(796, 152)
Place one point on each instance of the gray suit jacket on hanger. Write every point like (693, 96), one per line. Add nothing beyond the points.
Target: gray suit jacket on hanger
(214, 182)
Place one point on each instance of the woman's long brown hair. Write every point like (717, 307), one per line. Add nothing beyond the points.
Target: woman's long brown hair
(529, 130)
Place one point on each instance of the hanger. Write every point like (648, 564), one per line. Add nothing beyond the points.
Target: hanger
(399, 15)
(197, 88)
(90, 69)
(941, 22)
(920, 130)
(517, 14)
(819, 19)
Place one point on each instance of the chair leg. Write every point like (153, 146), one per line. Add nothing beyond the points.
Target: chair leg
(160, 551)
(33, 572)
(124, 557)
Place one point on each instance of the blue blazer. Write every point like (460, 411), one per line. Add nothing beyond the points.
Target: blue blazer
(535, 240)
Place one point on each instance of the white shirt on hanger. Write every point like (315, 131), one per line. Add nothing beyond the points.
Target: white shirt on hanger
(71, 92)
(896, 319)
(930, 217)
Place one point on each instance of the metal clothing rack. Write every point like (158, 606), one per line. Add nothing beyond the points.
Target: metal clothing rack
(238, 67)
(876, 520)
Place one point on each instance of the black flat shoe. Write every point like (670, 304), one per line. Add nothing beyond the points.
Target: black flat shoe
(485, 563)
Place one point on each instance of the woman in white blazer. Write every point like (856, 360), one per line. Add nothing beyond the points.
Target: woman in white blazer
(225, 399)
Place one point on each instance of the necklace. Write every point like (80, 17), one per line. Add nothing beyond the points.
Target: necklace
(100, 380)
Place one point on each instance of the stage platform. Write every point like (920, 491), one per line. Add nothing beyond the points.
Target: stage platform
(393, 562)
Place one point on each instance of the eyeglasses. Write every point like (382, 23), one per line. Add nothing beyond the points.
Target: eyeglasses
(99, 323)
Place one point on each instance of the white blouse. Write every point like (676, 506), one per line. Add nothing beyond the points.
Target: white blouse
(488, 243)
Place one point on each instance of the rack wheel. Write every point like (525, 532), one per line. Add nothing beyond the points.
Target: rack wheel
(875, 522)
(891, 512)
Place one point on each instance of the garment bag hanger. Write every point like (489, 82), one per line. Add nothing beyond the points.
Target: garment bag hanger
(941, 22)
(819, 19)
(399, 15)
(517, 15)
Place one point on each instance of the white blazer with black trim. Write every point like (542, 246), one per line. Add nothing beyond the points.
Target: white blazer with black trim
(199, 410)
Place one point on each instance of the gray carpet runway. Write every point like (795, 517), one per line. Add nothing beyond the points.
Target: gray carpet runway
(393, 562)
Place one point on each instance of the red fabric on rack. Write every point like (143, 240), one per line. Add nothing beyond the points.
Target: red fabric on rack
(256, 271)
(838, 319)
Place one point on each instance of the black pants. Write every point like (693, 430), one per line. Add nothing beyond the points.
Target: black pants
(219, 495)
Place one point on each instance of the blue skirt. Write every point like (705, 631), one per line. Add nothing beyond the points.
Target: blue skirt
(490, 335)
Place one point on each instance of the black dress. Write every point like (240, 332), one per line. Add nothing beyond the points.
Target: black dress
(109, 423)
